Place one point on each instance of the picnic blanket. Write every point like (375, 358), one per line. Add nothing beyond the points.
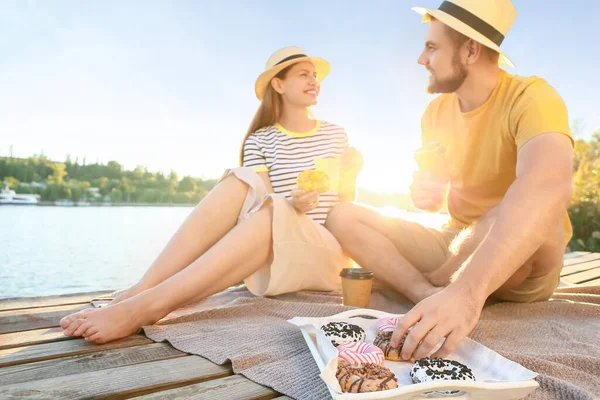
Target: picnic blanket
(559, 339)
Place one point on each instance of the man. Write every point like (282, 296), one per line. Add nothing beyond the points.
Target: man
(506, 178)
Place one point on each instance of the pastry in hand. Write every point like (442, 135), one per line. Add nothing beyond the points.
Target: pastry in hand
(313, 180)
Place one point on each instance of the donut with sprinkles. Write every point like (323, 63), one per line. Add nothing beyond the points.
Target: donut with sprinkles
(343, 332)
(439, 369)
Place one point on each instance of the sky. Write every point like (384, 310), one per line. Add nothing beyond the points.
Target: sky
(170, 84)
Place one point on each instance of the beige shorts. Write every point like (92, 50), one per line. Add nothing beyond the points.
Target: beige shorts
(428, 248)
(306, 256)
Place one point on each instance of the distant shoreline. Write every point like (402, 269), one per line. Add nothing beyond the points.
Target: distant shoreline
(51, 204)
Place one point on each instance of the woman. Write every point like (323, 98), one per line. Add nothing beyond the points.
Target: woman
(254, 225)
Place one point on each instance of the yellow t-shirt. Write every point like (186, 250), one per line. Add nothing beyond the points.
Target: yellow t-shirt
(481, 145)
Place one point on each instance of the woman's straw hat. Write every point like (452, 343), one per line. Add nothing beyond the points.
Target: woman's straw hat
(485, 21)
(283, 58)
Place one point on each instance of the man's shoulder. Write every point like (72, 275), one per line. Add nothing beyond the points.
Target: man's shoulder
(527, 88)
(439, 102)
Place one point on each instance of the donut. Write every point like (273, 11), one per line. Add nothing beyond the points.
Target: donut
(360, 353)
(343, 332)
(387, 324)
(385, 329)
(384, 342)
(439, 369)
(365, 378)
(313, 180)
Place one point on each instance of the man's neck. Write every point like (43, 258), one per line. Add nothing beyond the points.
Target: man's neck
(477, 88)
(296, 119)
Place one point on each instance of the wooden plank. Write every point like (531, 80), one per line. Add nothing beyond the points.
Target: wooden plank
(20, 303)
(572, 269)
(595, 282)
(582, 277)
(582, 259)
(37, 336)
(235, 387)
(79, 364)
(120, 382)
(36, 318)
(40, 352)
(575, 254)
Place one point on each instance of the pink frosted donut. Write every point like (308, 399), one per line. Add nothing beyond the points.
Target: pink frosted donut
(386, 325)
(360, 353)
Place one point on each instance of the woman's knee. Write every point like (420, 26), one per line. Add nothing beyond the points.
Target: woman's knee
(341, 217)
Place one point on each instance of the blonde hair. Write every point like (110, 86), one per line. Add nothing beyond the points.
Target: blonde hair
(268, 112)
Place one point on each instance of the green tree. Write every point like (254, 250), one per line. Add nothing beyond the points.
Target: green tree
(187, 184)
(58, 172)
(116, 195)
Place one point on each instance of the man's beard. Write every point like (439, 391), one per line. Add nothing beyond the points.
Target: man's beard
(451, 84)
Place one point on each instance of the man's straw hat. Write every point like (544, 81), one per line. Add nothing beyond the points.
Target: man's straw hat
(485, 21)
(283, 58)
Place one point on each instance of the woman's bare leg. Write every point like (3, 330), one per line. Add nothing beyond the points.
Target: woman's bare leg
(210, 220)
(239, 254)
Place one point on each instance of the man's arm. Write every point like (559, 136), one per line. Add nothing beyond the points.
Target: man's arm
(532, 207)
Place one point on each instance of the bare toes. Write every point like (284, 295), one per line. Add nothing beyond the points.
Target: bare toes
(91, 331)
(73, 326)
(82, 328)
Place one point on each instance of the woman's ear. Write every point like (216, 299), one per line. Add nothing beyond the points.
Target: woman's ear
(277, 85)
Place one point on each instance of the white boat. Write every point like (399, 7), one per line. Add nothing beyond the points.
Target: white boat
(8, 196)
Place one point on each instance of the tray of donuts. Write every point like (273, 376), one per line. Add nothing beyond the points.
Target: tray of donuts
(352, 350)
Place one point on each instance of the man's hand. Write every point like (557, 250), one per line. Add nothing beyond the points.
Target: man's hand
(451, 314)
(305, 201)
(428, 193)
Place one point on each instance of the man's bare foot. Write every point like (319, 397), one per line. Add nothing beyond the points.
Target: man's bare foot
(110, 323)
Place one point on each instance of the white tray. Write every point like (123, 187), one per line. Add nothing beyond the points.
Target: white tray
(517, 383)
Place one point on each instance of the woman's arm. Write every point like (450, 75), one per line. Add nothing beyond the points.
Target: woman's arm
(267, 180)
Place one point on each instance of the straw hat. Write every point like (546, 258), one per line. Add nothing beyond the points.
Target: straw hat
(283, 58)
(486, 22)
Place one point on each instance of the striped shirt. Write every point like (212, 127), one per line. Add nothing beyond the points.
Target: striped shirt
(285, 154)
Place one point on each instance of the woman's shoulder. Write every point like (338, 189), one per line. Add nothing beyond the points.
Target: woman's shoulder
(263, 132)
(329, 126)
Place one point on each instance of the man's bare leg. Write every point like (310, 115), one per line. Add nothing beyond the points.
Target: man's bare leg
(239, 254)
(545, 259)
(362, 234)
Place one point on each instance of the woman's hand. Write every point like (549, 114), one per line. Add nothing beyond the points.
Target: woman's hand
(352, 161)
(305, 201)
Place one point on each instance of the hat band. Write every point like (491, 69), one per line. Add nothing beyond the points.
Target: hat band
(291, 58)
(473, 21)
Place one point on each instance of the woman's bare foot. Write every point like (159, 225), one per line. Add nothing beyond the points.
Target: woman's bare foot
(124, 295)
(110, 323)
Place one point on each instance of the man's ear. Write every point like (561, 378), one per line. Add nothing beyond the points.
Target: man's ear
(474, 51)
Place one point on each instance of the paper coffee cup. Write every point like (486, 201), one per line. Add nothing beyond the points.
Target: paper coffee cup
(356, 286)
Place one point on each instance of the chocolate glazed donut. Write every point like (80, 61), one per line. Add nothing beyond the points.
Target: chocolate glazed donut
(365, 378)
(384, 341)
